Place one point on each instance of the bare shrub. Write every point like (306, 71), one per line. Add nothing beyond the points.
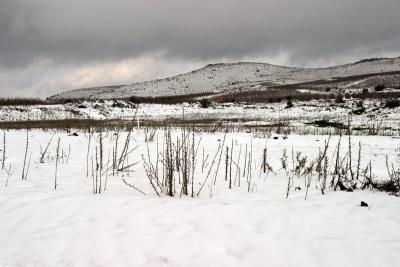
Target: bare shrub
(289, 102)
(380, 88)
(205, 103)
(392, 103)
(339, 99)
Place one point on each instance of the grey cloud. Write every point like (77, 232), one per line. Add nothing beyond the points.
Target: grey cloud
(79, 32)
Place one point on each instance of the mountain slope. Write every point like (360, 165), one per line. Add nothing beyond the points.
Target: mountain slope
(225, 77)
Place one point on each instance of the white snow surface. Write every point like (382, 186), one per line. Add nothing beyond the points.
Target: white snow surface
(259, 114)
(70, 226)
(226, 77)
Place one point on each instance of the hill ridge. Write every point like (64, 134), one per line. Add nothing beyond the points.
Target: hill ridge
(223, 77)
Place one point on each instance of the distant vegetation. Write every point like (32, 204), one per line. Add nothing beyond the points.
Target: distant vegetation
(21, 101)
(252, 96)
(169, 99)
(205, 103)
(392, 103)
(380, 87)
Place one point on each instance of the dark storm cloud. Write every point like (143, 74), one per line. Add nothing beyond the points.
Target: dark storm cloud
(78, 32)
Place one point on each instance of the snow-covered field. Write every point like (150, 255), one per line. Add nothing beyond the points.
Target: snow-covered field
(255, 114)
(249, 225)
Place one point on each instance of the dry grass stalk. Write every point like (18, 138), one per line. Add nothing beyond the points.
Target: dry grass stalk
(3, 162)
(26, 153)
(249, 171)
(226, 163)
(230, 167)
(9, 173)
(43, 154)
(87, 154)
(219, 160)
(220, 149)
(57, 159)
(132, 186)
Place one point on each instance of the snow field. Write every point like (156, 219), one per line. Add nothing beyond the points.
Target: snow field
(70, 226)
(301, 113)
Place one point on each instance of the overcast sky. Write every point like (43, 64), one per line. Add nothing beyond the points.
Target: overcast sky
(48, 46)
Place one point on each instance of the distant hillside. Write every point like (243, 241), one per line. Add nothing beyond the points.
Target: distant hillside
(222, 78)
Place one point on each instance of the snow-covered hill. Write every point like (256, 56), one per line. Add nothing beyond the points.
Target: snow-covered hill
(217, 78)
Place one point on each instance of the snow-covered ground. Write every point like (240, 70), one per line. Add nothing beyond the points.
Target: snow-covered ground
(70, 226)
(227, 77)
(255, 114)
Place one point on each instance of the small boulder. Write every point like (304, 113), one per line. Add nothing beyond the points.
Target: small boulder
(364, 204)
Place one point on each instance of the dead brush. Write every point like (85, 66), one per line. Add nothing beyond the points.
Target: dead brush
(391, 185)
(265, 167)
(284, 162)
(374, 126)
(219, 160)
(368, 182)
(167, 185)
(171, 171)
(179, 160)
(121, 162)
(291, 174)
(219, 150)
(152, 172)
(325, 176)
(301, 162)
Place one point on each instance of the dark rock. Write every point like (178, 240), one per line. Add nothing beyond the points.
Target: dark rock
(276, 137)
(117, 104)
(74, 134)
(364, 204)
